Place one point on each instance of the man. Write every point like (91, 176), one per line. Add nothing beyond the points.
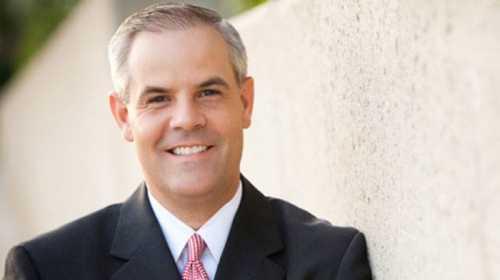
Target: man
(183, 97)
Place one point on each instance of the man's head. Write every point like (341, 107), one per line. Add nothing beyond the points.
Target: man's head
(170, 16)
(183, 97)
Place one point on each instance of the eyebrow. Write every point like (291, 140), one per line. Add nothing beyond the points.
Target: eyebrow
(214, 81)
(148, 90)
(154, 89)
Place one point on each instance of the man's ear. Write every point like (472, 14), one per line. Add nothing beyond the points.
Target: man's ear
(247, 93)
(120, 113)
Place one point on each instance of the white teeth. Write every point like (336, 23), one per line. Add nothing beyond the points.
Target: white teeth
(186, 151)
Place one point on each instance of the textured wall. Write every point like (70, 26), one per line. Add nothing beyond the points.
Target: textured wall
(384, 115)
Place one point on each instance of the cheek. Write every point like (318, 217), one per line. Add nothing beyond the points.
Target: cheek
(149, 127)
(227, 122)
(231, 127)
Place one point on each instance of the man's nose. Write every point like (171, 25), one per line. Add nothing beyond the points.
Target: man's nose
(187, 116)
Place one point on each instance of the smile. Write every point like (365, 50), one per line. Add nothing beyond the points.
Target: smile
(188, 150)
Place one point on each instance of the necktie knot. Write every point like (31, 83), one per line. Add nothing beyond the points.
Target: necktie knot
(194, 269)
(196, 246)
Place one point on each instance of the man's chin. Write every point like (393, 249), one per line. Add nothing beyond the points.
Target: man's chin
(192, 185)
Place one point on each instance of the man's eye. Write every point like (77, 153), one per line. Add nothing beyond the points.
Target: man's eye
(209, 92)
(158, 99)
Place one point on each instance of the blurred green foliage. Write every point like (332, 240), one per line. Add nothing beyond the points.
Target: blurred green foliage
(40, 21)
(247, 4)
(25, 25)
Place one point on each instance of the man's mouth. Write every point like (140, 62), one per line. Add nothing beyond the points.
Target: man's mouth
(188, 150)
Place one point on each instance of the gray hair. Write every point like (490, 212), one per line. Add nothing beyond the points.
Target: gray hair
(169, 16)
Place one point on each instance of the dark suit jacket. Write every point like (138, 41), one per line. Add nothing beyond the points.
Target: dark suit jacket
(269, 239)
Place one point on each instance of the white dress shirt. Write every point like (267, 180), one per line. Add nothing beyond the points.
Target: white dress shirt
(214, 232)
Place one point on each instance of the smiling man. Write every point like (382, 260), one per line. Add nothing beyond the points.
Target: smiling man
(185, 113)
(182, 97)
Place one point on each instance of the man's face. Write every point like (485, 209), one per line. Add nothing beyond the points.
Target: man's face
(186, 113)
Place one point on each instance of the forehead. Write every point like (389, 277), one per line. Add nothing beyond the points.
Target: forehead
(178, 57)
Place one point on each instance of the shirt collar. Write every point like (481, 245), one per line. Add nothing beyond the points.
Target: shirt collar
(215, 231)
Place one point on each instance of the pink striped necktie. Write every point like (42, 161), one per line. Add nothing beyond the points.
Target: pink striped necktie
(194, 268)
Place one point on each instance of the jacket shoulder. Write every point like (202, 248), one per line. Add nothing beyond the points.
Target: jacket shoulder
(299, 223)
(314, 247)
(89, 237)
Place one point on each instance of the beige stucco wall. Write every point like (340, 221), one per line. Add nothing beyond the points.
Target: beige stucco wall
(377, 114)
(384, 115)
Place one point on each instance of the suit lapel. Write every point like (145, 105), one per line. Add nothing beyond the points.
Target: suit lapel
(139, 241)
(253, 238)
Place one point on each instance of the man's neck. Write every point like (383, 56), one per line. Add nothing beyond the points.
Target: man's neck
(194, 211)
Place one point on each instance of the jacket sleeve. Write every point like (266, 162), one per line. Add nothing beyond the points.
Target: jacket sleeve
(355, 264)
(19, 265)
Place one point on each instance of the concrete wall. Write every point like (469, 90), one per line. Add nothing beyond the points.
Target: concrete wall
(61, 155)
(377, 114)
(384, 115)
